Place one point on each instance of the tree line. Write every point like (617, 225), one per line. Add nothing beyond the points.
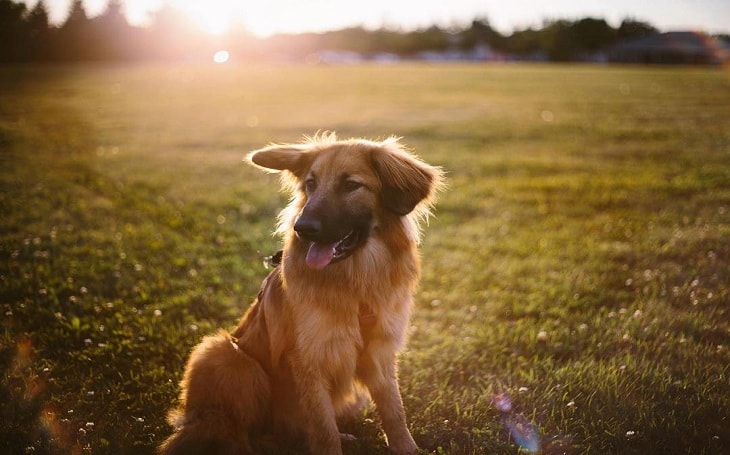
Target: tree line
(26, 36)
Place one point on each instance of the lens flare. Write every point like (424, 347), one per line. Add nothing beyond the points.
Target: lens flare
(524, 432)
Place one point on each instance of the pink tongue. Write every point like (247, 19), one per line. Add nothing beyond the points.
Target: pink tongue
(320, 255)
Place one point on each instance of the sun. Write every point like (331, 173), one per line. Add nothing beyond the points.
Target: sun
(264, 18)
(213, 16)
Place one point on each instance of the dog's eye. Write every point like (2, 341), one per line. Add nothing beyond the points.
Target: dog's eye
(310, 185)
(351, 185)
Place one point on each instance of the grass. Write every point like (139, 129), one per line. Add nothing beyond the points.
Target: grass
(580, 260)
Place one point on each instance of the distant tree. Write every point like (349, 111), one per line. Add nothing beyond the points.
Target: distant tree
(430, 39)
(525, 43)
(13, 31)
(481, 32)
(39, 33)
(77, 16)
(172, 34)
(74, 37)
(113, 39)
(631, 29)
(567, 41)
(560, 41)
(593, 34)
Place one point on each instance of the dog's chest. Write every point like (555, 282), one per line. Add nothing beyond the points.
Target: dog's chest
(331, 341)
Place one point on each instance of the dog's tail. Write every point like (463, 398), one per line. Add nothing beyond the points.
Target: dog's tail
(225, 394)
(202, 437)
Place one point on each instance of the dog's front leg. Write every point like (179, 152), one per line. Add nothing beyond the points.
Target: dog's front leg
(381, 380)
(320, 426)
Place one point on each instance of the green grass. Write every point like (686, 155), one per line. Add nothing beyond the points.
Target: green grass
(588, 203)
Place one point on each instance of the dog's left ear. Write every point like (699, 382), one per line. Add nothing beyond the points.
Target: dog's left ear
(406, 180)
(293, 158)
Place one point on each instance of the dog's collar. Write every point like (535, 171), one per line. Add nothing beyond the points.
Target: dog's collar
(274, 260)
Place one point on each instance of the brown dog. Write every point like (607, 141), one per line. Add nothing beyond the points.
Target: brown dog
(328, 322)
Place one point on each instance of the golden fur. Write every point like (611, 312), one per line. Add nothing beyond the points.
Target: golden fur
(319, 339)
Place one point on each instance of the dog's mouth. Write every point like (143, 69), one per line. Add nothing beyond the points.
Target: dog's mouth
(322, 254)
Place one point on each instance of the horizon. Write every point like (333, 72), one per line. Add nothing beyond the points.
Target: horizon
(287, 16)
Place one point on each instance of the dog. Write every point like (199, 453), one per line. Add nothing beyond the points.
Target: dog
(320, 341)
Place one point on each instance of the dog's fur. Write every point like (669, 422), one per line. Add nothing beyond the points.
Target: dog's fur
(325, 329)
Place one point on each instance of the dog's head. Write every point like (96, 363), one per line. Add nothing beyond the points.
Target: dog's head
(344, 191)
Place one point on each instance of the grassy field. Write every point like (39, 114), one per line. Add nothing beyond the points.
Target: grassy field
(579, 262)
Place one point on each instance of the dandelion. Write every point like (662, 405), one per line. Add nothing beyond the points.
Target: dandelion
(542, 336)
(157, 313)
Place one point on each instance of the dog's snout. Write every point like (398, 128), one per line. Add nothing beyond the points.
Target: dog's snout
(308, 228)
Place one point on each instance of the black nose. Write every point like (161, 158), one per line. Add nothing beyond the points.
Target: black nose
(308, 228)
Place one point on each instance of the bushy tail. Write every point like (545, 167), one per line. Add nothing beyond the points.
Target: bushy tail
(224, 395)
(201, 437)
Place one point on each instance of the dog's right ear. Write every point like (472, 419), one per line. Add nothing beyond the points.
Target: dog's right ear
(294, 158)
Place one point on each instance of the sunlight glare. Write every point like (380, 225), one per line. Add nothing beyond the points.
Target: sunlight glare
(221, 56)
(213, 16)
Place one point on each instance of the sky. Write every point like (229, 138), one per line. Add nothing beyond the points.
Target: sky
(266, 17)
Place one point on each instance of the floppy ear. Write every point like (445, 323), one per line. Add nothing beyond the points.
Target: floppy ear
(292, 158)
(406, 180)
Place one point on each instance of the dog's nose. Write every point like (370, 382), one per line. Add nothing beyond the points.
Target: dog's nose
(308, 228)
